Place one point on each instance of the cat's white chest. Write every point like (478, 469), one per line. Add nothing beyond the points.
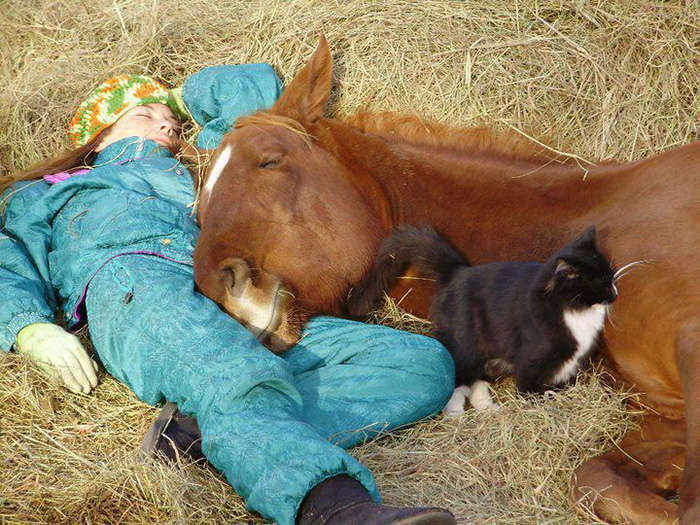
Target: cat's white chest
(584, 325)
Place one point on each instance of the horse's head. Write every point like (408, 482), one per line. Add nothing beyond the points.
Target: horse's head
(283, 230)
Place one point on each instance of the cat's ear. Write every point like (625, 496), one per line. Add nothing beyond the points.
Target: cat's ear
(562, 270)
(563, 267)
(588, 236)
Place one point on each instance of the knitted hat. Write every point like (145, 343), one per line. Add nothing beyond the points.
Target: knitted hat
(114, 97)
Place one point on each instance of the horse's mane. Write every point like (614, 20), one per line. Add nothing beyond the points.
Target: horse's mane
(416, 130)
(265, 118)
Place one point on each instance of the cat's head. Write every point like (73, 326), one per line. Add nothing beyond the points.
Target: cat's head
(580, 274)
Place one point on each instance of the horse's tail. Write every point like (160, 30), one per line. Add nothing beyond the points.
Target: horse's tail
(408, 246)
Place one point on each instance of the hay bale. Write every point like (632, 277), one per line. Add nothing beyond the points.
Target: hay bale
(602, 80)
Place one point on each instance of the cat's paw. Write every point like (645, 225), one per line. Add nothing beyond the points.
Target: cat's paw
(549, 395)
(455, 406)
(453, 412)
(481, 405)
(480, 396)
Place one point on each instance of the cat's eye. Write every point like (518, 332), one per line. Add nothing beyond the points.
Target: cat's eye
(571, 275)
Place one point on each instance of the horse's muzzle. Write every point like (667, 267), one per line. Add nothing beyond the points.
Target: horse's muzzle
(259, 300)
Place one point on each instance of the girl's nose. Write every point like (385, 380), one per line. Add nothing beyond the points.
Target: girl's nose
(167, 127)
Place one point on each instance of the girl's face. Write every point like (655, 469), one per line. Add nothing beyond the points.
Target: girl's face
(154, 121)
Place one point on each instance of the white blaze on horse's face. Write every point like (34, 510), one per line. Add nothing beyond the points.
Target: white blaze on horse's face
(215, 173)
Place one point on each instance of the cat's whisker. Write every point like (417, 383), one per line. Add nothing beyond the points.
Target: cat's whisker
(630, 265)
(617, 279)
(609, 317)
(574, 299)
(622, 275)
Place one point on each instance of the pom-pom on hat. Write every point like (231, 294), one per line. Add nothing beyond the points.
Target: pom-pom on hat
(114, 97)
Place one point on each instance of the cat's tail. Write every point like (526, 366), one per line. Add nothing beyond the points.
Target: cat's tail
(423, 248)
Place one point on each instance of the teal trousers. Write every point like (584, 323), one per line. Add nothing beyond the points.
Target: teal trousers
(276, 426)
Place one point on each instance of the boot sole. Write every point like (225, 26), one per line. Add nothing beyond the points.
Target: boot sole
(152, 437)
(434, 517)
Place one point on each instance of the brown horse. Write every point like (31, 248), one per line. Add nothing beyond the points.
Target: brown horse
(295, 205)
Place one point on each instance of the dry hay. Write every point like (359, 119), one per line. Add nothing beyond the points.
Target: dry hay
(68, 458)
(599, 79)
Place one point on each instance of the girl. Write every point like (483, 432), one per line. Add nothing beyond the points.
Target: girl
(112, 245)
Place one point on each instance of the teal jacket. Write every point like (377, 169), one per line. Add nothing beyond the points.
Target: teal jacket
(137, 199)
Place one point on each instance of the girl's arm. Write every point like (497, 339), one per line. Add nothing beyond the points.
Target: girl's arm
(25, 296)
(29, 304)
(217, 96)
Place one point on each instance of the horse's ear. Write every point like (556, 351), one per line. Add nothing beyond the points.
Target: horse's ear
(306, 96)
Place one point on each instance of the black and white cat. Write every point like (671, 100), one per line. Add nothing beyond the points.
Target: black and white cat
(537, 321)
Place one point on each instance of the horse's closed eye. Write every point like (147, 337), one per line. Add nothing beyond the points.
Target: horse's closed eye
(273, 162)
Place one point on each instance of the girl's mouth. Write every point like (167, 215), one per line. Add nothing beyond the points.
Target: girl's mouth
(163, 142)
(162, 139)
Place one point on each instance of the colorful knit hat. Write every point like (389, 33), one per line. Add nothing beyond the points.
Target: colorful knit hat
(114, 97)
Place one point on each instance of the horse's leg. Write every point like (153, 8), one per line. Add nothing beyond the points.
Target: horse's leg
(630, 484)
(688, 356)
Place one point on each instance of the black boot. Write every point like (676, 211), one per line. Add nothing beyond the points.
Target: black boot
(173, 436)
(342, 500)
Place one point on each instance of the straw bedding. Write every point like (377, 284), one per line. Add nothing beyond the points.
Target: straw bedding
(597, 79)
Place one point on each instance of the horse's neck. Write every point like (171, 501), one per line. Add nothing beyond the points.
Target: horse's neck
(493, 206)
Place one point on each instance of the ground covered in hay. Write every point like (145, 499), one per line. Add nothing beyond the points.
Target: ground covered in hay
(597, 79)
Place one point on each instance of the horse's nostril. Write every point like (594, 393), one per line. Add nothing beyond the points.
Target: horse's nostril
(236, 274)
(255, 277)
(234, 277)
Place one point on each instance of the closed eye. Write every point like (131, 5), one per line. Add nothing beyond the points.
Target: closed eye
(273, 162)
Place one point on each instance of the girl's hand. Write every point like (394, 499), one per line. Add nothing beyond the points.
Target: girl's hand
(60, 354)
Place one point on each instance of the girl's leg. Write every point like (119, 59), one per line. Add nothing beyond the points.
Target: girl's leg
(153, 332)
(358, 380)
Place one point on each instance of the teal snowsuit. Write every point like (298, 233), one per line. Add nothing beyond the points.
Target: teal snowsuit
(116, 245)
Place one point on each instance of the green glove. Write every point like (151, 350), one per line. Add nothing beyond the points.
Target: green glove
(60, 354)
